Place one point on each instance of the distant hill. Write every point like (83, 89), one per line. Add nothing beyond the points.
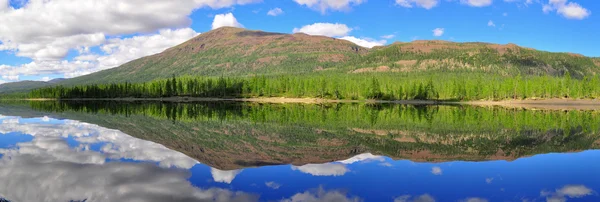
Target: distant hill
(231, 51)
(26, 85)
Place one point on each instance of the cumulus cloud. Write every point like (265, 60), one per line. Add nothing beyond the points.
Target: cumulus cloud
(117, 51)
(322, 195)
(438, 32)
(225, 20)
(409, 198)
(567, 191)
(365, 42)
(388, 36)
(340, 31)
(55, 26)
(275, 12)
(325, 5)
(427, 4)
(569, 10)
(46, 31)
(273, 185)
(436, 170)
(477, 3)
(88, 178)
(117, 145)
(474, 199)
(366, 157)
(224, 176)
(327, 169)
(325, 29)
(491, 23)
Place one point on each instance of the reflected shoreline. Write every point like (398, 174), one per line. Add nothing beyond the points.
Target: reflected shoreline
(230, 136)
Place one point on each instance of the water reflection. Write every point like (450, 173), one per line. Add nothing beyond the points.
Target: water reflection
(68, 154)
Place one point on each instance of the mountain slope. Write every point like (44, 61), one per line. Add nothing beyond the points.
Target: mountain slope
(446, 56)
(234, 51)
(26, 85)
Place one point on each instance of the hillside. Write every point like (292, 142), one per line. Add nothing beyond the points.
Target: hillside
(239, 52)
(234, 52)
(26, 85)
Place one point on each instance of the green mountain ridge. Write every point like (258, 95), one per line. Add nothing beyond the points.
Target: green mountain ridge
(26, 85)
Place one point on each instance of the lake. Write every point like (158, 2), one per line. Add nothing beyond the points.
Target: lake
(230, 151)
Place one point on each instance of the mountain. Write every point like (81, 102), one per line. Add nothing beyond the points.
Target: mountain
(235, 52)
(232, 51)
(26, 85)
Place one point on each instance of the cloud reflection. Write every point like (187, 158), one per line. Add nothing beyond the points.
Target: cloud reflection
(224, 176)
(321, 195)
(568, 191)
(60, 173)
(117, 145)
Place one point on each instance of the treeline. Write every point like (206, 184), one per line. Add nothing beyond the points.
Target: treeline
(436, 119)
(392, 86)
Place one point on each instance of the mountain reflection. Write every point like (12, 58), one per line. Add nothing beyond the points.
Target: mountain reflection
(231, 136)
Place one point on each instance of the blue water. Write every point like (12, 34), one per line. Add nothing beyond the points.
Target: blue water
(45, 159)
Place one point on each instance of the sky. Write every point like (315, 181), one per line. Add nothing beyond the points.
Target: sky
(47, 39)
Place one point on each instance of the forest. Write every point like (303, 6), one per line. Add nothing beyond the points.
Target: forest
(448, 86)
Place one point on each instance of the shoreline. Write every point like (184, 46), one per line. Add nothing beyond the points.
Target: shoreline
(547, 104)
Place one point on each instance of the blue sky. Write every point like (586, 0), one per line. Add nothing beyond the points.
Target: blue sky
(83, 37)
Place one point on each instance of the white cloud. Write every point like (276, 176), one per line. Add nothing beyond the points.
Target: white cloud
(438, 32)
(275, 12)
(49, 162)
(489, 180)
(474, 199)
(366, 157)
(224, 176)
(273, 185)
(568, 191)
(119, 51)
(421, 198)
(327, 169)
(324, 5)
(504, 14)
(116, 51)
(569, 10)
(491, 23)
(45, 78)
(325, 29)
(46, 31)
(11, 77)
(365, 42)
(117, 144)
(574, 191)
(321, 195)
(54, 27)
(391, 36)
(427, 4)
(436, 170)
(225, 20)
(477, 3)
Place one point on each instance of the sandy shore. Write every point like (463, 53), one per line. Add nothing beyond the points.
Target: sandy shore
(546, 104)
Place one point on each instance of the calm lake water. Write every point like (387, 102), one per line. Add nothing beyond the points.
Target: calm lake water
(111, 151)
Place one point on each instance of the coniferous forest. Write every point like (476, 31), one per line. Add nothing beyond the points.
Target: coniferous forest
(391, 86)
